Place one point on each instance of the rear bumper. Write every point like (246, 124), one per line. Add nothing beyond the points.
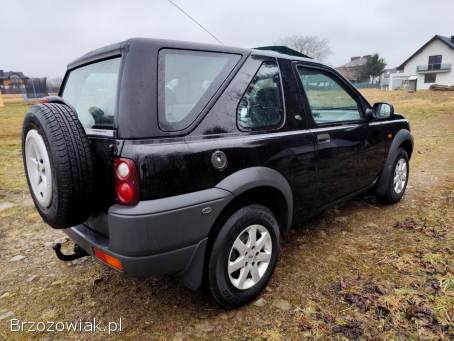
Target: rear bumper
(157, 237)
(159, 264)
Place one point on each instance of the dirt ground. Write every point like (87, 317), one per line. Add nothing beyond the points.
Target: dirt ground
(358, 271)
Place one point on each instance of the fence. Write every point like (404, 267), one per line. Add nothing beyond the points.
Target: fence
(36, 88)
(14, 91)
(32, 88)
(367, 85)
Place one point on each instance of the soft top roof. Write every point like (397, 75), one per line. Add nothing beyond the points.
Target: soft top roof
(138, 43)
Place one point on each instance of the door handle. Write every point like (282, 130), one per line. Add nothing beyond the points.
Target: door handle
(323, 138)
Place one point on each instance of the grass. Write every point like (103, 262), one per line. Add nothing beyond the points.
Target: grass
(360, 270)
(421, 105)
(12, 180)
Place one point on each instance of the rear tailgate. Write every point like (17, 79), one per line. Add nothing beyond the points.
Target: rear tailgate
(103, 151)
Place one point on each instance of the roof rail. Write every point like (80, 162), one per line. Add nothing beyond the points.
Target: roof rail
(282, 49)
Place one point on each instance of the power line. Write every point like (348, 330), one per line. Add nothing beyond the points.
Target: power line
(194, 20)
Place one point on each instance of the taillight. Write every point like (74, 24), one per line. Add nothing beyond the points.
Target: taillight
(126, 181)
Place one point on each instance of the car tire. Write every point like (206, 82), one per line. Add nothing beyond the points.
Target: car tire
(234, 247)
(58, 164)
(398, 179)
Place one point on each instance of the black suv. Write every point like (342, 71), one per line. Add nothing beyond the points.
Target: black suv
(164, 157)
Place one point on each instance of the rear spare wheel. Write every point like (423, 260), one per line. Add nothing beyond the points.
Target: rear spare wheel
(58, 164)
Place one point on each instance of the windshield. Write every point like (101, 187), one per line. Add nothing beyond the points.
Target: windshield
(91, 90)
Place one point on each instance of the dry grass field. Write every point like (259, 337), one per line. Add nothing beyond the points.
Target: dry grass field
(358, 271)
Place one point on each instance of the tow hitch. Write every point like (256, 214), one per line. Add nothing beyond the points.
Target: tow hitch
(78, 253)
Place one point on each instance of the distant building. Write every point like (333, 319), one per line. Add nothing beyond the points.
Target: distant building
(430, 64)
(355, 69)
(12, 80)
(384, 82)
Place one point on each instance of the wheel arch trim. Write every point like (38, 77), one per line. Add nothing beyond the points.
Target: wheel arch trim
(255, 177)
(400, 138)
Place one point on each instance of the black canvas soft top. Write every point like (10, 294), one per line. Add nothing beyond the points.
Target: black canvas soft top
(145, 43)
(101, 53)
(136, 103)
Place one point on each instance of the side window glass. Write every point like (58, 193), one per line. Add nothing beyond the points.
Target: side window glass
(187, 80)
(328, 100)
(261, 106)
(92, 90)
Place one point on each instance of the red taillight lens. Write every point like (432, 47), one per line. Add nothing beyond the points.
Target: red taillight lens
(125, 192)
(126, 181)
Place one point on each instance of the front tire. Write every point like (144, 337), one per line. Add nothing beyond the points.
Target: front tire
(243, 256)
(397, 182)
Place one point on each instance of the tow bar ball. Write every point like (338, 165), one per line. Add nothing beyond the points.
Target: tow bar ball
(78, 253)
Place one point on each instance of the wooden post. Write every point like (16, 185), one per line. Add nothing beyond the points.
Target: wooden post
(1, 100)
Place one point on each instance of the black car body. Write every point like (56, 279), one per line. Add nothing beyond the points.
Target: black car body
(303, 157)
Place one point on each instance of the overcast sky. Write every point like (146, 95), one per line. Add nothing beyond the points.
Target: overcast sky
(41, 37)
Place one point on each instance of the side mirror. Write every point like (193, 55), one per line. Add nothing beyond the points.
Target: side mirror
(383, 110)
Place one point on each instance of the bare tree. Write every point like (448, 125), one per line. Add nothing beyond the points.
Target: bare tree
(312, 46)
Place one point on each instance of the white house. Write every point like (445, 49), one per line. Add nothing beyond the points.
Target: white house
(431, 64)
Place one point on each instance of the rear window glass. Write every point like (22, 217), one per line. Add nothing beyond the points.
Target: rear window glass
(187, 80)
(92, 90)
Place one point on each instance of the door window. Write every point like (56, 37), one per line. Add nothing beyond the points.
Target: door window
(261, 106)
(328, 100)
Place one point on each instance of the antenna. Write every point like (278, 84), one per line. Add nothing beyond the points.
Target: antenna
(194, 20)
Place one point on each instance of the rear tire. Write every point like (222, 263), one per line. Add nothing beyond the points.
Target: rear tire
(52, 131)
(243, 256)
(397, 182)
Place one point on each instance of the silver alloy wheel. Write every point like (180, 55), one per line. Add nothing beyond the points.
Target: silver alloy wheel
(400, 175)
(249, 256)
(38, 168)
